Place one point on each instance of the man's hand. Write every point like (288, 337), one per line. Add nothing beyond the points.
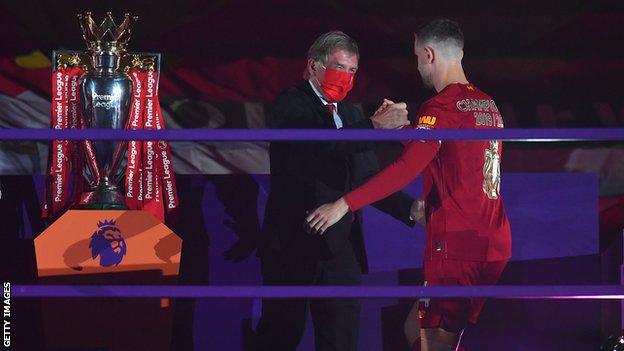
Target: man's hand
(390, 115)
(325, 216)
(417, 211)
(384, 106)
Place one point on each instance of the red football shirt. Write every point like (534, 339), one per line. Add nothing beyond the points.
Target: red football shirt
(464, 209)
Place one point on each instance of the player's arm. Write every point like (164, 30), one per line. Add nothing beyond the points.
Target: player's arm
(396, 176)
(415, 157)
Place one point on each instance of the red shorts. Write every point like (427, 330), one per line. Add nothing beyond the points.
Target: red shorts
(454, 314)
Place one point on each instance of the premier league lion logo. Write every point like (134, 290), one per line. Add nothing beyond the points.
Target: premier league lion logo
(108, 243)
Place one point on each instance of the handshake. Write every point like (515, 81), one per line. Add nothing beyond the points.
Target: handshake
(390, 115)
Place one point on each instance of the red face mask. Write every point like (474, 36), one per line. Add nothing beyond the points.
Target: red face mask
(336, 84)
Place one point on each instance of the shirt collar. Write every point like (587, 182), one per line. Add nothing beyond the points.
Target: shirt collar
(320, 96)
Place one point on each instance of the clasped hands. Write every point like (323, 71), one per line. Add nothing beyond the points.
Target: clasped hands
(390, 115)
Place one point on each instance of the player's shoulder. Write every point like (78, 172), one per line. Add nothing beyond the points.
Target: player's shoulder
(478, 92)
(434, 104)
(432, 114)
(441, 110)
(437, 106)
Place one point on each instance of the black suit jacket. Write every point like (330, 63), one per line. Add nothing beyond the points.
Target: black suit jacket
(305, 175)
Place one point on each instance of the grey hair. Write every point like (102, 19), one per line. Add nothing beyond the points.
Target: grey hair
(329, 42)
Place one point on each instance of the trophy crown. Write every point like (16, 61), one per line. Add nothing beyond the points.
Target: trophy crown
(107, 36)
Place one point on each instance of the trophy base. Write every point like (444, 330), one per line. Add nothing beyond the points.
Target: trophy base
(102, 198)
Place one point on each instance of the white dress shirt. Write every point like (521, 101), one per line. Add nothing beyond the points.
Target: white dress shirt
(337, 119)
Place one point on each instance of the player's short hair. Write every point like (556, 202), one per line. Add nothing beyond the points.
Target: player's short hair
(329, 42)
(443, 34)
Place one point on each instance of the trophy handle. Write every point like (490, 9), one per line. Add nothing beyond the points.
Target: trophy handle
(91, 163)
(117, 156)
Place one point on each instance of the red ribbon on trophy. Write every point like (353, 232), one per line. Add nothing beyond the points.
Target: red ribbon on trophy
(169, 190)
(134, 170)
(62, 159)
(150, 184)
(152, 198)
(149, 176)
(75, 121)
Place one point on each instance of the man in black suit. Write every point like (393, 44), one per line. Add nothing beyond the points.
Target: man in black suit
(307, 174)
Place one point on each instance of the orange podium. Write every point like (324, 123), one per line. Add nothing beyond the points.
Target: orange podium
(107, 247)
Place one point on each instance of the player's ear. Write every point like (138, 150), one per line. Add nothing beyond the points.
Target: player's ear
(429, 54)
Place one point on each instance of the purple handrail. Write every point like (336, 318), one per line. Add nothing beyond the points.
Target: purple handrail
(156, 291)
(545, 135)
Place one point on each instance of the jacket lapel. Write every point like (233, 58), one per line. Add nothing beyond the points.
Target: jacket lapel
(321, 111)
(345, 114)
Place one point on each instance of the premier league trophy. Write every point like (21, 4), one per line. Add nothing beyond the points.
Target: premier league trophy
(106, 87)
(122, 238)
(106, 95)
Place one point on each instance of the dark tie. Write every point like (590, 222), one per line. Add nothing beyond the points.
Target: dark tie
(330, 109)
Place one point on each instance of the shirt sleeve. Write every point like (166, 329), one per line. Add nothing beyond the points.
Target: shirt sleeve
(415, 157)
